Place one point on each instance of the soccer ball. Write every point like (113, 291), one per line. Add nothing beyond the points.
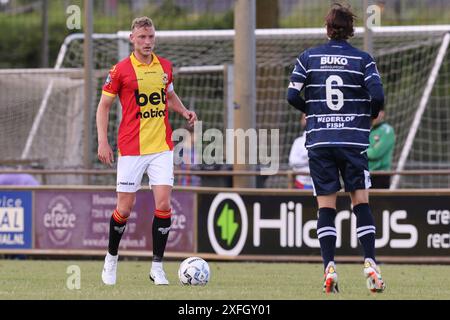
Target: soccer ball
(194, 271)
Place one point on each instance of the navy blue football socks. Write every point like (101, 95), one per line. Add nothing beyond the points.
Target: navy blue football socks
(365, 229)
(326, 232)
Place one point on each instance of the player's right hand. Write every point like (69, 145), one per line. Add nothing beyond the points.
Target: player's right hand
(105, 154)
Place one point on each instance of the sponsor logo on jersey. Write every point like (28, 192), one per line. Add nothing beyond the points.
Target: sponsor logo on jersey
(333, 60)
(154, 98)
(151, 114)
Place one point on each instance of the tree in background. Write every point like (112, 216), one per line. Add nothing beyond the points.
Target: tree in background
(267, 14)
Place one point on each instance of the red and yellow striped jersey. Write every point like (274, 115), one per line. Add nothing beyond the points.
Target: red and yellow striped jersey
(142, 91)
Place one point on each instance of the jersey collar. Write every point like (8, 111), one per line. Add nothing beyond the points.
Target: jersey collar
(137, 63)
(342, 43)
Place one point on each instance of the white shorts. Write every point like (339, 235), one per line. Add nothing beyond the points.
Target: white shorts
(130, 170)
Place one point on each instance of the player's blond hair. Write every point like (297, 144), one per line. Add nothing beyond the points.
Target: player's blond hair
(141, 22)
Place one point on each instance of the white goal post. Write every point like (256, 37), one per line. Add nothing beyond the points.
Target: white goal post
(421, 109)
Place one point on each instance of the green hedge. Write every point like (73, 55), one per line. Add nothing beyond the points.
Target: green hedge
(21, 36)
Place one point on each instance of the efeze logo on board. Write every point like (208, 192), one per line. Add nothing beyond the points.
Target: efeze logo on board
(227, 224)
(179, 223)
(60, 220)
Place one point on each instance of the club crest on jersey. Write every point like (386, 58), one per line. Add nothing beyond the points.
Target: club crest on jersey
(333, 60)
(111, 74)
(108, 80)
(165, 78)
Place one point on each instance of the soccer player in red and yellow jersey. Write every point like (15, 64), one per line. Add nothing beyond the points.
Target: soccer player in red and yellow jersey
(144, 84)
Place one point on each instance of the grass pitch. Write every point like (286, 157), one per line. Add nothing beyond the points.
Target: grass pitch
(46, 279)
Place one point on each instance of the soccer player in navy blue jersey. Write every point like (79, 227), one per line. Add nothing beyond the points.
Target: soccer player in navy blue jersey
(343, 92)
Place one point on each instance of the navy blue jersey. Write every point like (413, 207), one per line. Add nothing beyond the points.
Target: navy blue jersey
(340, 83)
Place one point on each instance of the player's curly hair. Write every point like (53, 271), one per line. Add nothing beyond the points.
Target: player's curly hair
(339, 22)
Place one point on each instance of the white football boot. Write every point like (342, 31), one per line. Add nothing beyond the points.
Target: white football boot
(330, 283)
(157, 274)
(373, 276)
(110, 269)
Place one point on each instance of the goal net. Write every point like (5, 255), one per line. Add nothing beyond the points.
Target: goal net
(41, 117)
(407, 58)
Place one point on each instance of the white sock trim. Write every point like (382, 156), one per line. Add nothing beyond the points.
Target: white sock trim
(371, 261)
(111, 257)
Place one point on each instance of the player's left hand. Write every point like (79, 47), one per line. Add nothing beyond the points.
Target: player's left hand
(190, 116)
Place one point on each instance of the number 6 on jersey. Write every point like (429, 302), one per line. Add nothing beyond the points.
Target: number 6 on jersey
(334, 92)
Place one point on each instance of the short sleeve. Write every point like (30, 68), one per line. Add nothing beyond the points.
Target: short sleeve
(111, 86)
(299, 73)
(371, 74)
(171, 75)
(168, 74)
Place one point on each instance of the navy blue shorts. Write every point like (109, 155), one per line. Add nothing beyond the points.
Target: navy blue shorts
(326, 163)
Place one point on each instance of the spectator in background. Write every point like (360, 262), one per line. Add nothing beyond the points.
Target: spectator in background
(298, 158)
(188, 162)
(380, 151)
